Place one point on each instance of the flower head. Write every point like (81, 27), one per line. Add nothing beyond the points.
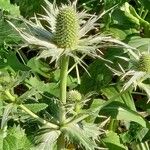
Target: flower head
(66, 34)
(66, 31)
(137, 74)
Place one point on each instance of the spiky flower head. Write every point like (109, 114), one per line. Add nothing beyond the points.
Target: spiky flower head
(144, 63)
(64, 31)
(67, 25)
(74, 96)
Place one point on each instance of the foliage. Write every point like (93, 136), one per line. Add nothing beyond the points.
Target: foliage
(93, 94)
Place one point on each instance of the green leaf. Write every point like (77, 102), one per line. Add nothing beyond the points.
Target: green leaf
(145, 3)
(36, 107)
(28, 10)
(85, 137)
(47, 140)
(100, 77)
(113, 92)
(42, 87)
(140, 43)
(39, 67)
(112, 141)
(119, 111)
(7, 6)
(14, 139)
(10, 60)
(6, 113)
(7, 33)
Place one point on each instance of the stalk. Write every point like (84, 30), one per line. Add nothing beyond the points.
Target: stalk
(61, 142)
(63, 78)
(37, 117)
(63, 93)
(13, 98)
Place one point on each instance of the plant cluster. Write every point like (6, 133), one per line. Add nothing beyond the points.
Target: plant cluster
(74, 75)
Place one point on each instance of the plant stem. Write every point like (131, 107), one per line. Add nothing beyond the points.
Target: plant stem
(61, 142)
(113, 125)
(63, 93)
(63, 78)
(37, 117)
(63, 86)
(12, 98)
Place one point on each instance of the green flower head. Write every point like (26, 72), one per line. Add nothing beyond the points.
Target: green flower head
(144, 63)
(64, 31)
(74, 96)
(67, 25)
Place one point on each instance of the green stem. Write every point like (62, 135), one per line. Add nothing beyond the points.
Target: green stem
(61, 142)
(142, 146)
(113, 125)
(37, 117)
(145, 14)
(63, 78)
(63, 93)
(11, 97)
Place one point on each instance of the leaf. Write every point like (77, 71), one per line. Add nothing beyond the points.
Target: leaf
(99, 77)
(47, 140)
(113, 92)
(39, 66)
(112, 141)
(42, 87)
(135, 133)
(10, 60)
(6, 113)
(14, 139)
(27, 10)
(36, 107)
(119, 111)
(12, 9)
(83, 136)
(142, 44)
(7, 34)
(145, 3)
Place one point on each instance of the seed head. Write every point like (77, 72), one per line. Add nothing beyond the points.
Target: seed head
(66, 34)
(144, 63)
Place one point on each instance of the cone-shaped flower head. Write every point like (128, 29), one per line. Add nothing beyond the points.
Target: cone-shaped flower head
(66, 34)
(144, 63)
(74, 95)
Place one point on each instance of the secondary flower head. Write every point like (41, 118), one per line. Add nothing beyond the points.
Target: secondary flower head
(144, 63)
(137, 74)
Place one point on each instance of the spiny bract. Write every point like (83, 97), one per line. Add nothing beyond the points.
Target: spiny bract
(74, 95)
(66, 35)
(144, 63)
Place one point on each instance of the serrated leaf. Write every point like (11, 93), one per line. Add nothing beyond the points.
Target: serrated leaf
(112, 141)
(36, 107)
(16, 139)
(7, 34)
(39, 66)
(12, 9)
(42, 87)
(75, 133)
(47, 140)
(6, 113)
